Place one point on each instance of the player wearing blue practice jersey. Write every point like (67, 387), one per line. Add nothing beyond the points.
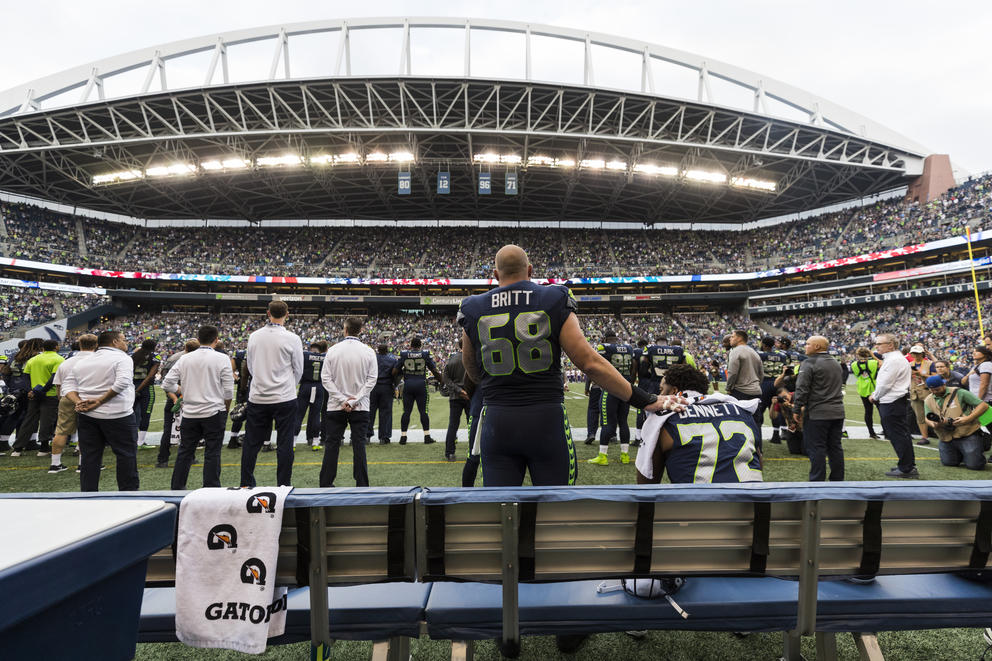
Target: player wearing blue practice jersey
(512, 341)
(644, 375)
(381, 397)
(146, 363)
(710, 441)
(413, 365)
(656, 359)
(614, 411)
(773, 362)
(311, 394)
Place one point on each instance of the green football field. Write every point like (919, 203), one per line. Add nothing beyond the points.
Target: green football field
(417, 464)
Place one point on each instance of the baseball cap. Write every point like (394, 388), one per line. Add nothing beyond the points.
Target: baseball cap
(935, 381)
(916, 348)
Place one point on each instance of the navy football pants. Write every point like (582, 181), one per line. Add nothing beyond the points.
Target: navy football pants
(519, 439)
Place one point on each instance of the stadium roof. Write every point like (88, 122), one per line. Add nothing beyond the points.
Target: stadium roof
(334, 144)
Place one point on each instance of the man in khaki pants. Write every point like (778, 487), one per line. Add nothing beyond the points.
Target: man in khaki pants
(923, 368)
(65, 426)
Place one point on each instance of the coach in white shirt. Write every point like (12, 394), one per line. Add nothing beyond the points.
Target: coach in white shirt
(275, 361)
(349, 374)
(102, 388)
(65, 425)
(892, 396)
(205, 380)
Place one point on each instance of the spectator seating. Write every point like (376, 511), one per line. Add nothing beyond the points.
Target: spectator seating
(40, 234)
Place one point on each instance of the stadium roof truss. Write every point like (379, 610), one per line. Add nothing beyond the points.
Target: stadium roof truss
(581, 152)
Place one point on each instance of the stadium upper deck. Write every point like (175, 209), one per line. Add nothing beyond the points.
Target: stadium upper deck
(363, 141)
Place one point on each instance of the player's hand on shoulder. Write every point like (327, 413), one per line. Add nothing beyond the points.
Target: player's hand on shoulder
(673, 403)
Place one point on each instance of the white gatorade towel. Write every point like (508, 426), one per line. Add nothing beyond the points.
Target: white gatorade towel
(228, 545)
(653, 424)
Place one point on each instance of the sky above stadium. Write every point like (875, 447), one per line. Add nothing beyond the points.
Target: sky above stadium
(919, 68)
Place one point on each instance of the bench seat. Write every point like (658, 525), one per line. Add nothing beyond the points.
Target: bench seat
(473, 611)
(357, 612)
(903, 603)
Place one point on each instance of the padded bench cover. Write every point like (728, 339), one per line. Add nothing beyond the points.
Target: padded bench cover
(473, 611)
(357, 612)
(895, 603)
(758, 492)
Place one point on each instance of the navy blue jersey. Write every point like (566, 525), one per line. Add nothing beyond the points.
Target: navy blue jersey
(312, 364)
(662, 357)
(386, 363)
(141, 371)
(645, 372)
(712, 443)
(18, 378)
(413, 366)
(620, 355)
(239, 359)
(772, 363)
(797, 356)
(514, 331)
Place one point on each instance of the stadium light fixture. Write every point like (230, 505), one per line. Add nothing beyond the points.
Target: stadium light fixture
(211, 165)
(115, 177)
(651, 168)
(174, 169)
(350, 157)
(234, 163)
(506, 159)
(703, 175)
(756, 184)
(376, 157)
(592, 163)
(285, 159)
(401, 157)
(321, 159)
(616, 165)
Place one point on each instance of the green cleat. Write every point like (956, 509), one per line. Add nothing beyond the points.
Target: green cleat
(600, 460)
(624, 458)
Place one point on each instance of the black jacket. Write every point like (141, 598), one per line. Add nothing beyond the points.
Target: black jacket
(820, 388)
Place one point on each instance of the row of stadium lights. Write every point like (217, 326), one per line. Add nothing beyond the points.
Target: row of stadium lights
(403, 157)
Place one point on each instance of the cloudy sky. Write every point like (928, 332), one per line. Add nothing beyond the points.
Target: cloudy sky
(920, 68)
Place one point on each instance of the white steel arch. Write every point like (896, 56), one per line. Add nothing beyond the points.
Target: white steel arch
(53, 91)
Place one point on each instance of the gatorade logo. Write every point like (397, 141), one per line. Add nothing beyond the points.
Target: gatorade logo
(261, 502)
(222, 536)
(253, 572)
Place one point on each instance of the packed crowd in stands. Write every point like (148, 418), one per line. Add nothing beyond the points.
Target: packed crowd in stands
(428, 251)
(21, 307)
(947, 328)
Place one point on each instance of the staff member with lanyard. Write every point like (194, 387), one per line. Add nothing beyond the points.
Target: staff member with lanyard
(206, 380)
(102, 388)
(275, 361)
(348, 374)
(865, 368)
(892, 395)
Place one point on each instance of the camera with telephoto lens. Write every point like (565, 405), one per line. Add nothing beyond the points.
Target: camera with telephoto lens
(945, 423)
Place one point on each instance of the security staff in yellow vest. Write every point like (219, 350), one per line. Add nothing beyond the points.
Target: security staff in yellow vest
(922, 365)
(953, 414)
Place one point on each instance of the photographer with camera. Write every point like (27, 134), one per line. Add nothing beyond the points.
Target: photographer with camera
(953, 414)
(865, 368)
(792, 432)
